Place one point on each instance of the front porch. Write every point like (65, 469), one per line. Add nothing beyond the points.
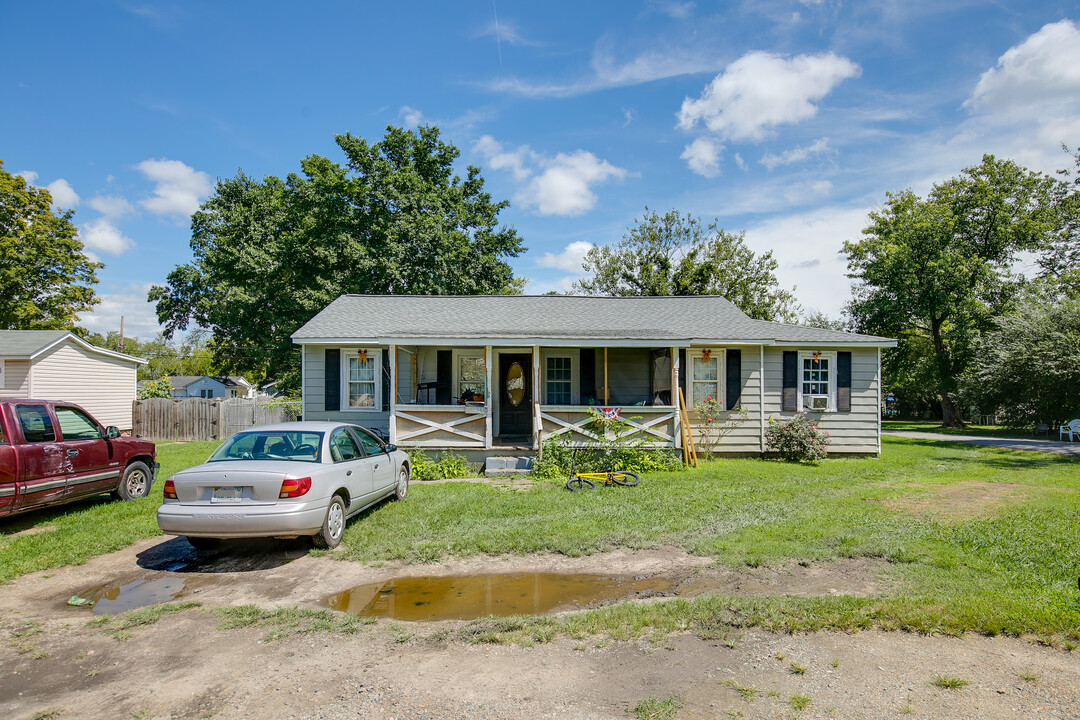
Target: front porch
(509, 399)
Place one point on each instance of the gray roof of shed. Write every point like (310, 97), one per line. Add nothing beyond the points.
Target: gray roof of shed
(554, 317)
(24, 344)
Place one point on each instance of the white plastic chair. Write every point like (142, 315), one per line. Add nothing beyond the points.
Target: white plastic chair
(1072, 428)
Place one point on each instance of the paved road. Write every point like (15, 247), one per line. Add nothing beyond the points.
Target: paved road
(1034, 444)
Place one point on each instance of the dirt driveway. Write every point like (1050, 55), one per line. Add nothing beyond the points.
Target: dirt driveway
(55, 664)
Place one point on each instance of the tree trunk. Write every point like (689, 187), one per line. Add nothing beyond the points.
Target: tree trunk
(950, 416)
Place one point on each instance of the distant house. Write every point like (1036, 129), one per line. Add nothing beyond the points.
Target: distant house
(206, 386)
(508, 371)
(57, 365)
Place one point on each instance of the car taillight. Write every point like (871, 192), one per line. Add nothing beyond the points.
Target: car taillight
(170, 490)
(294, 487)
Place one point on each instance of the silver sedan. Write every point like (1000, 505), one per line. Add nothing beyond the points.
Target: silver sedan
(286, 480)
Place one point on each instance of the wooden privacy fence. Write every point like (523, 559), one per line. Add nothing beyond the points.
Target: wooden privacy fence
(191, 419)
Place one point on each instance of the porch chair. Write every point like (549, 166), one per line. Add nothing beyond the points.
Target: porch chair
(1070, 429)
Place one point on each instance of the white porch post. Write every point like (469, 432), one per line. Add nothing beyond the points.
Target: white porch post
(536, 396)
(675, 396)
(761, 397)
(393, 394)
(489, 401)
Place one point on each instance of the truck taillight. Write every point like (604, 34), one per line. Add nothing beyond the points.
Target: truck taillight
(170, 490)
(294, 487)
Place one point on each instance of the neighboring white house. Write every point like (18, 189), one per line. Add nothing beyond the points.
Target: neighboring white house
(206, 386)
(484, 372)
(57, 365)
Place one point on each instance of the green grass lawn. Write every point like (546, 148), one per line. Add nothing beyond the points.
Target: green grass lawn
(932, 426)
(970, 538)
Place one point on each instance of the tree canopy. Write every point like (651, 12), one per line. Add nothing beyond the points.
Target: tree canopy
(189, 355)
(46, 279)
(395, 219)
(676, 254)
(935, 272)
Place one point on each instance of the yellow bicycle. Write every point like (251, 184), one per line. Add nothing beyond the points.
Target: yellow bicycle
(588, 480)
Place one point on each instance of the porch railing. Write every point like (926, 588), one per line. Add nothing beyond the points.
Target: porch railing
(653, 426)
(440, 426)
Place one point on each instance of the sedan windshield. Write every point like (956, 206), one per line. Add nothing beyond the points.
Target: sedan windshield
(271, 445)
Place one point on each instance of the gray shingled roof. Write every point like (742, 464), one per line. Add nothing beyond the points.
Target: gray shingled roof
(554, 317)
(24, 343)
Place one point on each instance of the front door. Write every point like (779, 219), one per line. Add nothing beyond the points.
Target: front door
(515, 395)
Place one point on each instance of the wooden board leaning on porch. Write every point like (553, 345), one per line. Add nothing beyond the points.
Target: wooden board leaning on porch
(689, 451)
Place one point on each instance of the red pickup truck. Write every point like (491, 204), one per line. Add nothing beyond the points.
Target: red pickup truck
(53, 452)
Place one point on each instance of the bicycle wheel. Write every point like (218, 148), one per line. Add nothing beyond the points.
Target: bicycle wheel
(624, 477)
(580, 483)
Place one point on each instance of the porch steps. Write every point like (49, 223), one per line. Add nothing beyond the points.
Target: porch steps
(506, 465)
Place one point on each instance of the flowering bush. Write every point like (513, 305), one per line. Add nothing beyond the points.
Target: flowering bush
(798, 439)
(715, 423)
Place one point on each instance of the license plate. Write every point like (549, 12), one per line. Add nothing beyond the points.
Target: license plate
(226, 495)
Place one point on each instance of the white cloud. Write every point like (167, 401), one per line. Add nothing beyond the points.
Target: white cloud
(629, 115)
(739, 162)
(676, 10)
(795, 155)
(505, 31)
(63, 195)
(140, 317)
(760, 91)
(559, 185)
(804, 192)
(1045, 68)
(111, 206)
(703, 157)
(28, 175)
(411, 116)
(101, 235)
(607, 72)
(179, 187)
(570, 259)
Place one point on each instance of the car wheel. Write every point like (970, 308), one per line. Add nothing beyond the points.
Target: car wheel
(203, 543)
(135, 482)
(402, 488)
(333, 526)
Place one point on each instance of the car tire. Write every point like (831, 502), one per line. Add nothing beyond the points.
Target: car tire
(203, 543)
(333, 527)
(402, 488)
(135, 482)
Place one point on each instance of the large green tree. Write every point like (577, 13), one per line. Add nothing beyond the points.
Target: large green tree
(934, 272)
(268, 255)
(46, 279)
(676, 254)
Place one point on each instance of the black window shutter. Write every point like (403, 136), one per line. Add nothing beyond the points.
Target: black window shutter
(734, 378)
(843, 381)
(386, 380)
(444, 368)
(790, 398)
(586, 372)
(332, 381)
(682, 375)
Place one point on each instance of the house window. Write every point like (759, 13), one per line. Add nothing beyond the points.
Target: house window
(361, 388)
(705, 376)
(558, 381)
(471, 374)
(817, 381)
(206, 393)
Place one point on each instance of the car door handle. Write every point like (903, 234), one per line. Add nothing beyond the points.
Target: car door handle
(72, 453)
(348, 472)
(376, 466)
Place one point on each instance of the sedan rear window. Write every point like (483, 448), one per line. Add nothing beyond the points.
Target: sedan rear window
(271, 445)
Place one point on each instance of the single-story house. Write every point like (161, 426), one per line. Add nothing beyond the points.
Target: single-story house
(206, 386)
(510, 371)
(58, 365)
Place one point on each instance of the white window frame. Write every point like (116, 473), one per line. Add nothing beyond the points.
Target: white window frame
(458, 355)
(574, 382)
(717, 355)
(375, 355)
(829, 355)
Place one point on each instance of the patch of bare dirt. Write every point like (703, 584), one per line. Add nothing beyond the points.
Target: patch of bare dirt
(962, 501)
(859, 577)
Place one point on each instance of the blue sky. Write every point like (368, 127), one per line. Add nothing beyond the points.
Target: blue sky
(789, 119)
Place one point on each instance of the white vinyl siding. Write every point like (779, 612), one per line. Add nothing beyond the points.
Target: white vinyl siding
(103, 385)
(16, 379)
(852, 432)
(315, 390)
(746, 436)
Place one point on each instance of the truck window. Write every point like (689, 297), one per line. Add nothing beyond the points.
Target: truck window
(36, 424)
(76, 425)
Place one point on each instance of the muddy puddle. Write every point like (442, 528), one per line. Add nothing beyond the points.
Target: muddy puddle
(112, 599)
(474, 596)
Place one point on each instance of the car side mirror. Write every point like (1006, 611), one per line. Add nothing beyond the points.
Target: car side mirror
(391, 448)
(112, 432)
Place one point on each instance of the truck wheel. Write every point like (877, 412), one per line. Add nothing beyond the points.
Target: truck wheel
(135, 482)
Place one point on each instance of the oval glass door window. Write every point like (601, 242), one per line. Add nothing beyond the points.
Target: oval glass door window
(515, 384)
